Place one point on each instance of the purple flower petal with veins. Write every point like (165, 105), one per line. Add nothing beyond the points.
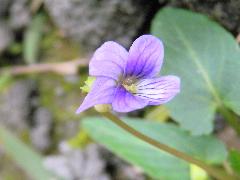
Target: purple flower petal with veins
(129, 80)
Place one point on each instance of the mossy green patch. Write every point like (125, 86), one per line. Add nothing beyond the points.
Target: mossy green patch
(56, 48)
(59, 96)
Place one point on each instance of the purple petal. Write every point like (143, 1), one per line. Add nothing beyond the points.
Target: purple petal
(126, 102)
(145, 57)
(102, 92)
(158, 90)
(109, 60)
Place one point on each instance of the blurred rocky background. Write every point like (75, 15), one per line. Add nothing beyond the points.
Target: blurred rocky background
(38, 104)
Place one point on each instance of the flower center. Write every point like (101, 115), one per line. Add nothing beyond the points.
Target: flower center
(129, 84)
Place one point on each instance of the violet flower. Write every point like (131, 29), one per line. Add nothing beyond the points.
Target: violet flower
(129, 80)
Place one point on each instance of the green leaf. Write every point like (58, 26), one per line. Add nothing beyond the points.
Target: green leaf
(156, 163)
(32, 39)
(207, 59)
(234, 159)
(25, 157)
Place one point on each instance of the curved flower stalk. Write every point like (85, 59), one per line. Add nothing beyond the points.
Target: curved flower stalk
(129, 80)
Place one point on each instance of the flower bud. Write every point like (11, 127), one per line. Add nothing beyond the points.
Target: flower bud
(102, 108)
(88, 84)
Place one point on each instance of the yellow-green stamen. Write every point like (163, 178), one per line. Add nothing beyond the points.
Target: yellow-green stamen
(129, 84)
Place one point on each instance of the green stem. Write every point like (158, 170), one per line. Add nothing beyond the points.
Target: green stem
(214, 172)
(231, 119)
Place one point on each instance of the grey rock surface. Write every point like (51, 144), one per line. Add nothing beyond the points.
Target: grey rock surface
(4, 4)
(14, 15)
(19, 13)
(92, 163)
(15, 105)
(75, 164)
(121, 170)
(40, 132)
(92, 22)
(6, 35)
